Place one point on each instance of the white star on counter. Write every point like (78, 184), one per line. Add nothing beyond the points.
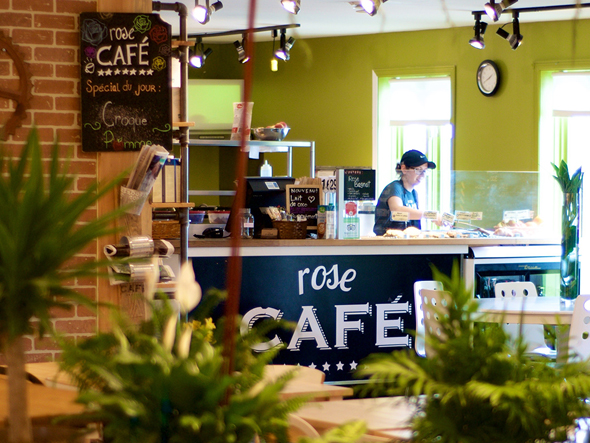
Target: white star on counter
(108, 72)
(117, 71)
(100, 72)
(326, 367)
(353, 365)
(142, 72)
(312, 366)
(149, 72)
(132, 71)
(340, 366)
(125, 71)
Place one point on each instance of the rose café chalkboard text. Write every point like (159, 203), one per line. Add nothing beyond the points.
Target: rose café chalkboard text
(125, 72)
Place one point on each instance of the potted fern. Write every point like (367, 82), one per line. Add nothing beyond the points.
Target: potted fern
(479, 387)
(40, 234)
(164, 381)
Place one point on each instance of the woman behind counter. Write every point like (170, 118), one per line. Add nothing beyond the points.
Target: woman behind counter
(400, 195)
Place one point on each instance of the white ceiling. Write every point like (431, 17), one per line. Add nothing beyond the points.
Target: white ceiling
(331, 18)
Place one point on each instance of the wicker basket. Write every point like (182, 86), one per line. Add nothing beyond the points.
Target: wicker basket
(291, 229)
(165, 229)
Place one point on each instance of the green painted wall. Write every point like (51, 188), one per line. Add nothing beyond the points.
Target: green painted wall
(324, 92)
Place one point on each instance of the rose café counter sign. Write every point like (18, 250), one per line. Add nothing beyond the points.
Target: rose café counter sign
(342, 307)
(125, 72)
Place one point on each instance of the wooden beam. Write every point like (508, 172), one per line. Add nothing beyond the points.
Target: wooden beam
(109, 166)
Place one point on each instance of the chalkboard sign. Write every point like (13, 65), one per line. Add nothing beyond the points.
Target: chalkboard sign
(359, 184)
(126, 78)
(304, 200)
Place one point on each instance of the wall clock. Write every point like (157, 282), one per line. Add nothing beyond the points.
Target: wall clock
(488, 77)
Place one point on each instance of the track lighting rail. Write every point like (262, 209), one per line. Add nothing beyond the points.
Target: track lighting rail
(243, 31)
(536, 9)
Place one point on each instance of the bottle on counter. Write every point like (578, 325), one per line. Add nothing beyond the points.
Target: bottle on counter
(266, 169)
(330, 221)
(246, 223)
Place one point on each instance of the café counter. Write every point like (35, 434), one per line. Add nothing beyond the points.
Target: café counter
(346, 299)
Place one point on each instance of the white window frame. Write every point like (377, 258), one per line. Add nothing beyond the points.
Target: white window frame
(382, 133)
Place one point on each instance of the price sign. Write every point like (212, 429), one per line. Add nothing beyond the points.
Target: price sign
(400, 216)
(359, 184)
(463, 216)
(448, 219)
(430, 215)
(304, 200)
(125, 81)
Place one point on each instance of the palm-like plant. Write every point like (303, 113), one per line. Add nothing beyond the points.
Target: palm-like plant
(40, 234)
(478, 386)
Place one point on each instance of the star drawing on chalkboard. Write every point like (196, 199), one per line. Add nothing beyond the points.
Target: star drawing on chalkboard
(132, 71)
(125, 71)
(108, 72)
(142, 72)
(117, 71)
(100, 73)
(326, 367)
(150, 72)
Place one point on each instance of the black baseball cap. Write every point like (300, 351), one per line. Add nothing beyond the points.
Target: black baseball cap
(415, 158)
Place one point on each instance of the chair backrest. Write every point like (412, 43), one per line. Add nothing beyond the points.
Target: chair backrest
(579, 338)
(515, 289)
(434, 305)
(533, 335)
(418, 286)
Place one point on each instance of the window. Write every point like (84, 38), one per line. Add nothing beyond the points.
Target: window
(415, 112)
(563, 135)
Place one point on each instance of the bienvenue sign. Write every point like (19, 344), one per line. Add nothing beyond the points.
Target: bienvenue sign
(125, 72)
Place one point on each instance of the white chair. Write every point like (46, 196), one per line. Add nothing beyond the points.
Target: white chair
(579, 338)
(434, 305)
(533, 335)
(418, 286)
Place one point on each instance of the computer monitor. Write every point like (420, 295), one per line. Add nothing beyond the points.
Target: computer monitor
(262, 192)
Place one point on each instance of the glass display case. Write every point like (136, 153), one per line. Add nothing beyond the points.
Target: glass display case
(519, 204)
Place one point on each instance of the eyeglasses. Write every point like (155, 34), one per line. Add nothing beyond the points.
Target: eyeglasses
(419, 171)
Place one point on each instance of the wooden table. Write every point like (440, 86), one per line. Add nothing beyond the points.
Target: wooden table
(527, 310)
(49, 374)
(531, 310)
(384, 417)
(44, 403)
(315, 391)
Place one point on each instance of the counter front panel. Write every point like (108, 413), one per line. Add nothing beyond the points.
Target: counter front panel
(344, 307)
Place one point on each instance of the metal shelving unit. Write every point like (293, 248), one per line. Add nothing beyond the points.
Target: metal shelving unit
(263, 147)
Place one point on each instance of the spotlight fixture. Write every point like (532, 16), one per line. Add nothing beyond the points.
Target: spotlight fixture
(274, 64)
(371, 6)
(197, 55)
(240, 47)
(284, 46)
(514, 39)
(202, 13)
(494, 10)
(292, 6)
(480, 29)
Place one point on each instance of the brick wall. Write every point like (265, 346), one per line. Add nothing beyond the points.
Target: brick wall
(46, 32)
